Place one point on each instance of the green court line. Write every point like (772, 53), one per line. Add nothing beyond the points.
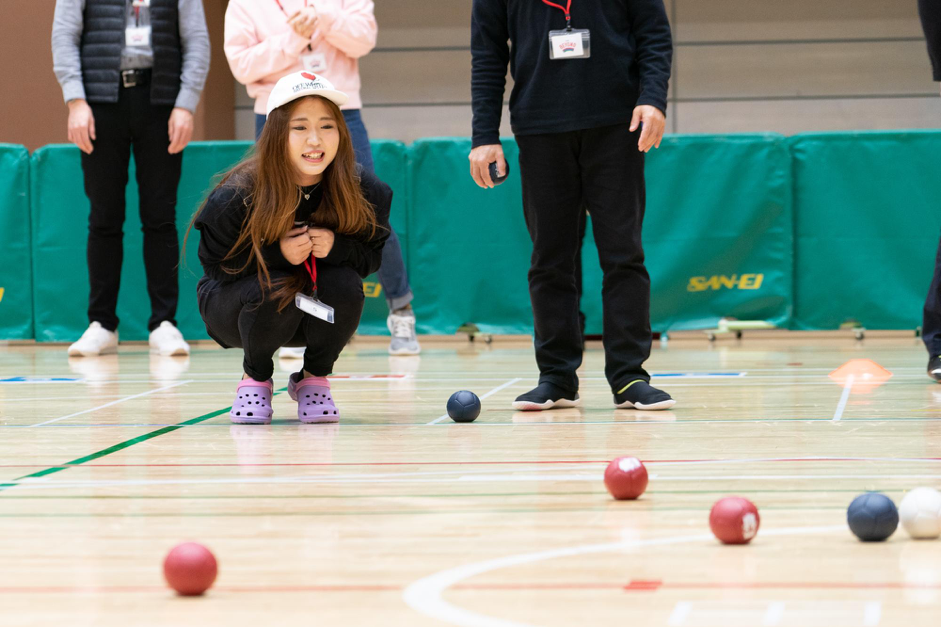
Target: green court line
(118, 447)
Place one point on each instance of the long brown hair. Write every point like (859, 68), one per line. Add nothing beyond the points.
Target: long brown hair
(269, 178)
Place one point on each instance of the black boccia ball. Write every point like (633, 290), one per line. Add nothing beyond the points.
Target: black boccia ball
(495, 174)
(463, 406)
(872, 517)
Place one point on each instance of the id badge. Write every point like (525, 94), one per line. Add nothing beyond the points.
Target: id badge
(315, 62)
(569, 44)
(314, 307)
(137, 36)
(140, 3)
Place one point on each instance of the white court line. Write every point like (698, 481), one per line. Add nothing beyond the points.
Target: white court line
(485, 396)
(680, 613)
(872, 615)
(774, 614)
(844, 398)
(424, 595)
(120, 400)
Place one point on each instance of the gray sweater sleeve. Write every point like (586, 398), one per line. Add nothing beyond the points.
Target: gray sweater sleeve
(194, 37)
(67, 25)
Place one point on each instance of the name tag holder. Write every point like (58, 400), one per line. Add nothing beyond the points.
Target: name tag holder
(313, 305)
(572, 43)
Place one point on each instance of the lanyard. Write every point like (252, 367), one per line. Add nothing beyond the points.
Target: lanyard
(567, 9)
(311, 265)
(280, 6)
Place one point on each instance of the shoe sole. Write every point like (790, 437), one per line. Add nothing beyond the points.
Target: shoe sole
(320, 420)
(177, 352)
(935, 374)
(562, 403)
(652, 407)
(111, 350)
(249, 420)
(404, 351)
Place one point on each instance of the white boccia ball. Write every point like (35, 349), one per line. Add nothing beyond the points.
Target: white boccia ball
(920, 513)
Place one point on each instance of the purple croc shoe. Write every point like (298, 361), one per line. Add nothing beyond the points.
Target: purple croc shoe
(252, 404)
(314, 399)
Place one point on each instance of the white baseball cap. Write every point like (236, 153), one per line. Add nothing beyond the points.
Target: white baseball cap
(300, 84)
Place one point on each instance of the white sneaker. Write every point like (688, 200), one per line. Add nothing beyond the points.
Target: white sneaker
(96, 340)
(404, 340)
(291, 352)
(167, 340)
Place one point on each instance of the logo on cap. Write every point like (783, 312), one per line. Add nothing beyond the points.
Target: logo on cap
(312, 77)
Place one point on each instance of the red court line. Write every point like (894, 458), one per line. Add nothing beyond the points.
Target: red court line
(633, 586)
(478, 463)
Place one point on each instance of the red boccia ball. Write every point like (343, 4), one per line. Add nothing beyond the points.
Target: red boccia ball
(190, 568)
(734, 520)
(625, 478)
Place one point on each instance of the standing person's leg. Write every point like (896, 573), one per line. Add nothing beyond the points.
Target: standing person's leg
(105, 176)
(241, 315)
(552, 198)
(931, 326)
(392, 273)
(158, 177)
(615, 194)
(340, 288)
(579, 278)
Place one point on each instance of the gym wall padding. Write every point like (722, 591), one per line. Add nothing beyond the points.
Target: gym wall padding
(60, 229)
(718, 237)
(868, 217)
(60, 226)
(16, 297)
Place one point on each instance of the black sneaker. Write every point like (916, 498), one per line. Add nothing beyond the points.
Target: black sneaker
(639, 394)
(934, 368)
(545, 396)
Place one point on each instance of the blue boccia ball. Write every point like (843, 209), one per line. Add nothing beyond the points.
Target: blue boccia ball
(872, 517)
(463, 406)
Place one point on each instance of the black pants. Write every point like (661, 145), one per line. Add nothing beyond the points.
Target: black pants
(132, 122)
(602, 169)
(238, 315)
(931, 327)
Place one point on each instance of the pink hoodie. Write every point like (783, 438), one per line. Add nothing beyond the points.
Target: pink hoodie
(261, 47)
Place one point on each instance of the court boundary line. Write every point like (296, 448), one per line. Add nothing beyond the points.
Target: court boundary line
(120, 446)
(112, 403)
(424, 595)
(844, 398)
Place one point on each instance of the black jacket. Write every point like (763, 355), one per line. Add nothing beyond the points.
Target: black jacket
(631, 58)
(220, 223)
(930, 11)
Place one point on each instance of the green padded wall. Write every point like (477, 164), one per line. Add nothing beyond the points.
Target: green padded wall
(718, 237)
(60, 218)
(868, 217)
(16, 297)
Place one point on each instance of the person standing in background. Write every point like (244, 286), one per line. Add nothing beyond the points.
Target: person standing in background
(266, 40)
(930, 12)
(131, 72)
(588, 102)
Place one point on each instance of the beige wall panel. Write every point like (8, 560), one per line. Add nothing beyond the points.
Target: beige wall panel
(425, 77)
(245, 124)
(410, 123)
(803, 69)
(241, 96)
(792, 117)
(725, 20)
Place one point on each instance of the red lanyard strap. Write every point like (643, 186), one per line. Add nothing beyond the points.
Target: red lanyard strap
(311, 265)
(567, 9)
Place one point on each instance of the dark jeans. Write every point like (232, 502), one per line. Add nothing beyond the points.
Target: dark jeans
(237, 315)
(392, 273)
(931, 326)
(132, 123)
(602, 170)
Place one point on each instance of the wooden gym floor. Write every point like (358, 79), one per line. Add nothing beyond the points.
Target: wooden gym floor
(399, 517)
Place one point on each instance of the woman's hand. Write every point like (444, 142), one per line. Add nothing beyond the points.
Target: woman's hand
(304, 22)
(322, 240)
(296, 245)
